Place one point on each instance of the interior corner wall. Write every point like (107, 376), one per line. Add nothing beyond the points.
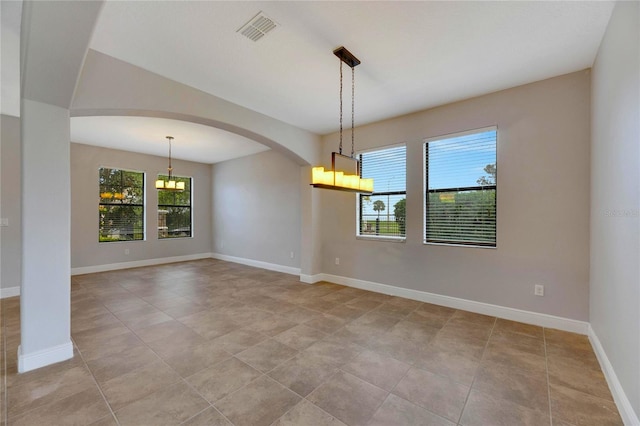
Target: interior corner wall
(542, 210)
(11, 260)
(256, 209)
(615, 198)
(86, 251)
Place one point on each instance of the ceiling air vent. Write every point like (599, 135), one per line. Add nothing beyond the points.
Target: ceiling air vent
(257, 27)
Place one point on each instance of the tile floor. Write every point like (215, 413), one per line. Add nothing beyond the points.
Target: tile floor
(215, 343)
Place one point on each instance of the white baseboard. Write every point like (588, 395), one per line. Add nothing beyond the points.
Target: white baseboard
(137, 263)
(9, 292)
(42, 358)
(528, 317)
(629, 416)
(310, 279)
(257, 263)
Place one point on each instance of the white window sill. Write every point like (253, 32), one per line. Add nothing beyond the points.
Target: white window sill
(381, 238)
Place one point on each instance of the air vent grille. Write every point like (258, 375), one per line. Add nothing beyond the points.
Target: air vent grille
(257, 27)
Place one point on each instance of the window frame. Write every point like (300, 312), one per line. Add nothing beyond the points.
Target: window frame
(425, 191)
(387, 238)
(190, 207)
(143, 205)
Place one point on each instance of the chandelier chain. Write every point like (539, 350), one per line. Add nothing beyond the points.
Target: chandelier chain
(340, 149)
(353, 109)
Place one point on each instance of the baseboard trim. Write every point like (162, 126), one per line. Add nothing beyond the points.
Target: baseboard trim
(9, 292)
(528, 317)
(44, 357)
(309, 279)
(629, 416)
(257, 263)
(137, 263)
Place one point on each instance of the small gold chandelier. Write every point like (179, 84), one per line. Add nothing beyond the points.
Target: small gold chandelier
(170, 184)
(334, 179)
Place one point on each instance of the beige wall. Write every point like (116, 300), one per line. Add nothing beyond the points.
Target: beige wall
(85, 249)
(543, 204)
(11, 259)
(615, 198)
(256, 208)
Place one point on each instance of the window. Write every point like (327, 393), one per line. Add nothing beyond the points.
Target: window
(121, 207)
(460, 188)
(174, 210)
(382, 214)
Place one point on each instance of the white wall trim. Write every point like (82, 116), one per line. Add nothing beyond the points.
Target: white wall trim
(257, 263)
(137, 263)
(310, 279)
(535, 318)
(629, 416)
(9, 292)
(44, 357)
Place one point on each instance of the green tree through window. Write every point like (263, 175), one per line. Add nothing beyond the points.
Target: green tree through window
(121, 205)
(174, 210)
(460, 199)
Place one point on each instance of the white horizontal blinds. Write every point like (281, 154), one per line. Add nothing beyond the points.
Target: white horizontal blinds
(174, 210)
(121, 205)
(461, 189)
(383, 212)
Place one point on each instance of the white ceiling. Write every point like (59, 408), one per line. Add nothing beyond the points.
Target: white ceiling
(147, 135)
(415, 55)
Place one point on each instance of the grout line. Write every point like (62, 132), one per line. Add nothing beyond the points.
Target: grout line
(546, 367)
(95, 381)
(484, 350)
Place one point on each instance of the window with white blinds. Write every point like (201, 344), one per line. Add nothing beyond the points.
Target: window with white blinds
(121, 205)
(174, 210)
(383, 214)
(460, 188)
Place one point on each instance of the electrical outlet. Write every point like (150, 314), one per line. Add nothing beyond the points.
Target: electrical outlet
(126, 251)
(337, 260)
(4, 221)
(291, 255)
(538, 290)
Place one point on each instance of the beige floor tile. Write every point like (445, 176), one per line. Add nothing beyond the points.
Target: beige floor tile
(260, 403)
(333, 351)
(513, 327)
(189, 360)
(482, 410)
(400, 412)
(169, 406)
(82, 408)
(305, 413)
(208, 417)
(129, 359)
(349, 399)
(138, 383)
(267, 355)
(108, 420)
(326, 323)
(581, 409)
(300, 336)
(584, 378)
(346, 312)
(273, 325)
(522, 388)
(376, 321)
(48, 389)
(303, 373)
(379, 370)
(435, 393)
(144, 332)
(239, 340)
(222, 379)
(511, 357)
